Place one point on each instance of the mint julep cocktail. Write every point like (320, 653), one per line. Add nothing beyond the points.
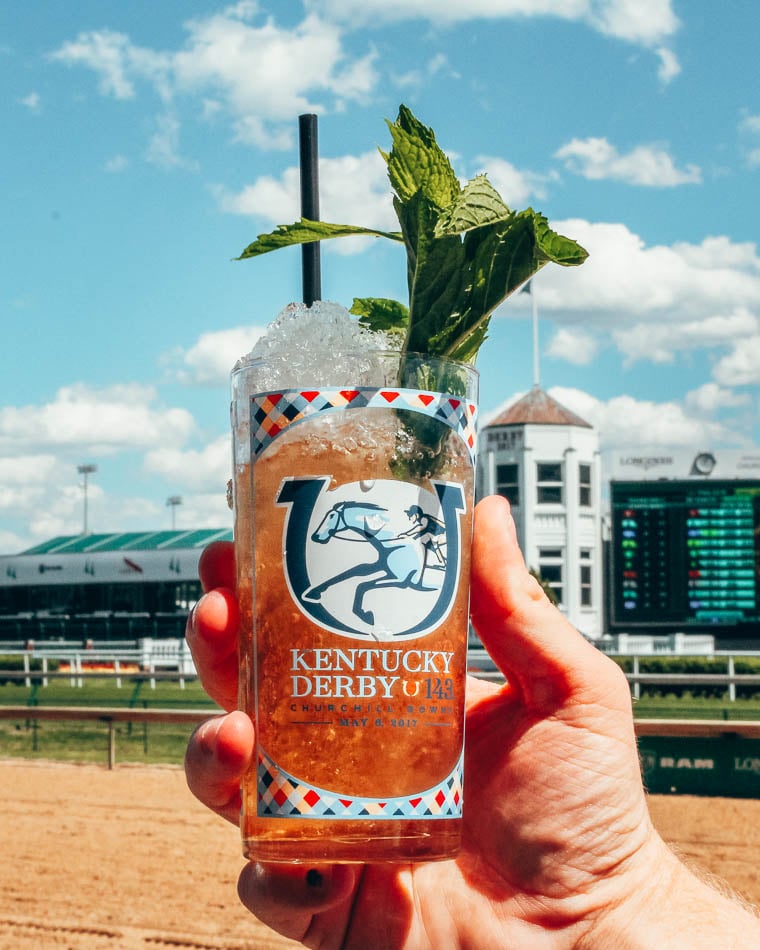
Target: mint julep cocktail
(354, 448)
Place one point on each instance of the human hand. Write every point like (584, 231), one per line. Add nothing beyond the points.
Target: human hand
(557, 838)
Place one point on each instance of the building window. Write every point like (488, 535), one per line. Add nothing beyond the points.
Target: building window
(584, 485)
(550, 570)
(586, 593)
(549, 483)
(508, 484)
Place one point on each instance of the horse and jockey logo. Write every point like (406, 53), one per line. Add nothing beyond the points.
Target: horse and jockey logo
(376, 560)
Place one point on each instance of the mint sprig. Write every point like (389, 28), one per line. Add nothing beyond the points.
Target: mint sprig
(467, 251)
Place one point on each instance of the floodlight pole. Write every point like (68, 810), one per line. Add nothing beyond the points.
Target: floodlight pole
(172, 503)
(84, 471)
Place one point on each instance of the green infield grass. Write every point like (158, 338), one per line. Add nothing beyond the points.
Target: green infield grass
(695, 707)
(148, 743)
(154, 743)
(103, 691)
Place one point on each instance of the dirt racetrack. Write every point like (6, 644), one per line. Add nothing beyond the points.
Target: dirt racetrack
(128, 859)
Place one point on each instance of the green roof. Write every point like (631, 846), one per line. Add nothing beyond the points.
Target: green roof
(131, 541)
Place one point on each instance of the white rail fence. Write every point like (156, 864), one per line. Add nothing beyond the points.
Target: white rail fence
(481, 665)
(170, 659)
(150, 659)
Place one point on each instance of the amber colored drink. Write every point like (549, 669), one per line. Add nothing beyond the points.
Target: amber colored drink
(353, 514)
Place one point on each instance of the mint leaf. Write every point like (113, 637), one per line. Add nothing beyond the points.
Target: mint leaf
(493, 261)
(416, 162)
(437, 275)
(478, 204)
(306, 232)
(377, 313)
(555, 247)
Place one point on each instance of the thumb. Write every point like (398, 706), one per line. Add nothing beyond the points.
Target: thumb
(530, 641)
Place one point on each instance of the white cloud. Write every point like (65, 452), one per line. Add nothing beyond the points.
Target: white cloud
(710, 398)
(669, 65)
(654, 302)
(719, 251)
(42, 495)
(116, 164)
(258, 77)
(254, 67)
(243, 66)
(624, 421)
(252, 130)
(210, 359)
(750, 124)
(163, 148)
(32, 102)
(40, 491)
(646, 22)
(205, 509)
(659, 342)
(643, 22)
(649, 165)
(437, 65)
(206, 469)
(741, 367)
(101, 421)
(575, 346)
(117, 62)
(22, 475)
(41, 446)
(749, 134)
(12, 542)
(60, 512)
(625, 282)
(353, 189)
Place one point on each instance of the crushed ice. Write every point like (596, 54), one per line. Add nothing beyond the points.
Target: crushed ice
(318, 345)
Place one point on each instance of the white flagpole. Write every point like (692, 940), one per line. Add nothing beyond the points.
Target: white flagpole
(536, 379)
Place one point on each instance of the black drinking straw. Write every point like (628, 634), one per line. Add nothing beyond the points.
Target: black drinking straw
(309, 162)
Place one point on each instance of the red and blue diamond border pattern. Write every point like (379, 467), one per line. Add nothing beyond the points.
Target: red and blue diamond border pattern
(281, 795)
(273, 412)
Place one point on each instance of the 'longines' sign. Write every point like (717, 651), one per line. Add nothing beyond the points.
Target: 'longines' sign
(657, 464)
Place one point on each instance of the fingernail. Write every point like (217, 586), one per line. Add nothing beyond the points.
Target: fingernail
(314, 878)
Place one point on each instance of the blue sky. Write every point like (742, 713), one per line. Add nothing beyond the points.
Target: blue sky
(145, 144)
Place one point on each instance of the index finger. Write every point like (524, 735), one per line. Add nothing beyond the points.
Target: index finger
(212, 627)
(216, 567)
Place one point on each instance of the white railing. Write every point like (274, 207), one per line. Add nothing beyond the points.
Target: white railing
(152, 656)
(670, 644)
(480, 664)
(157, 658)
(730, 678)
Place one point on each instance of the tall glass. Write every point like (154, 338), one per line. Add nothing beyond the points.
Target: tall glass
(353, 504)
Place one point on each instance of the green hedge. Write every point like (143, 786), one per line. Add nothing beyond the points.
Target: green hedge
(692, 665)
